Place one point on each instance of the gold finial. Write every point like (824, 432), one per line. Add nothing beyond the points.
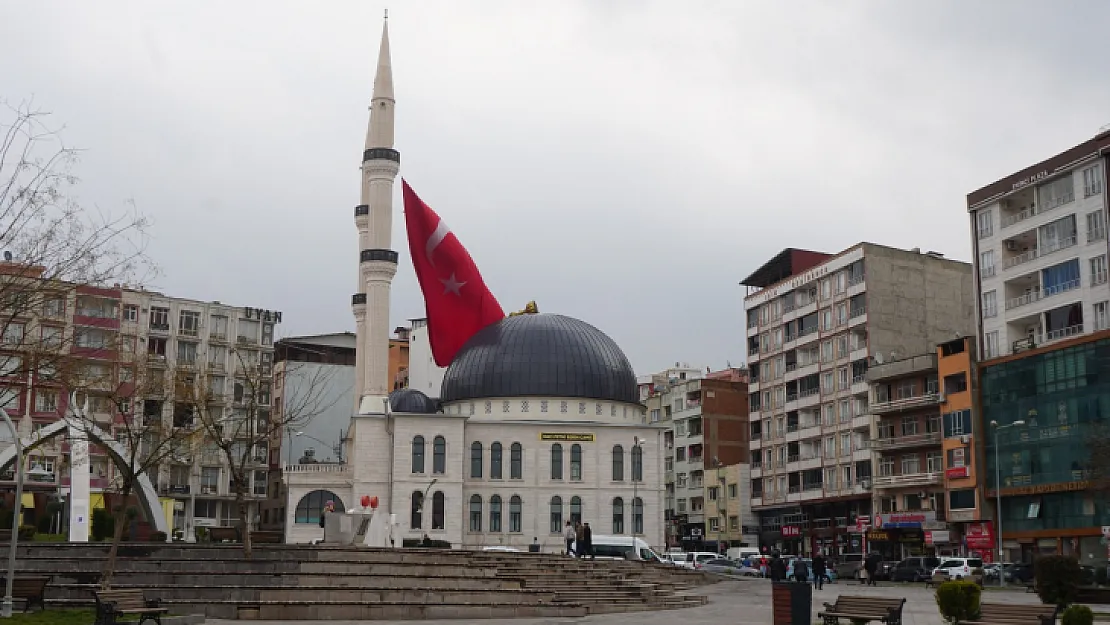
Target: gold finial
(530, 309)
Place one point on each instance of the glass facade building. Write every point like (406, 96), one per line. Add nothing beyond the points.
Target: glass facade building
(1063, 396)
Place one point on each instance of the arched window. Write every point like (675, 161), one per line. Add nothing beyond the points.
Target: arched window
(476, 459)
(515, 514)
(618, 463)
(418, 454)
(556, 461)
(439, 455)
(475, 513)
(495, 461)
(556, 515)
(576, 462)
(495, 513)
(618, 515)
(637, 516)
(516, 461)
(416, 510)
(637, 464)
(437, 510)
(575, 510)
(311, 506)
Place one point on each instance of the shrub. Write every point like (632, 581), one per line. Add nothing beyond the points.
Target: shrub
(27, 533)
(959, 601)
(1078, 615)
(1058, 579)
(157, 537)
(103, 524)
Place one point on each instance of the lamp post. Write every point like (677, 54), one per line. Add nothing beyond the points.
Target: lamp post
(638, 443)
(6, 606)
(998, 491)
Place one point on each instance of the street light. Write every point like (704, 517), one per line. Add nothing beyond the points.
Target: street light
(638, 443)
(998, 491)
(6, 606)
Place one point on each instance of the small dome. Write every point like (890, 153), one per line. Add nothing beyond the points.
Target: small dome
(411, 400)
(540, 355)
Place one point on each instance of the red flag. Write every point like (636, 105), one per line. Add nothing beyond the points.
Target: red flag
(457, 302)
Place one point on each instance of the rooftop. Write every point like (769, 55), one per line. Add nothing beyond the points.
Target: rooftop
(786, 263)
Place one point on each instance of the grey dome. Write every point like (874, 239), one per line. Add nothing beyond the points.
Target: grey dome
(540, 356)
(411, 400)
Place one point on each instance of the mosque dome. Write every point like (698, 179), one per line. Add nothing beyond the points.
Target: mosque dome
(411, 400)
(540, 355)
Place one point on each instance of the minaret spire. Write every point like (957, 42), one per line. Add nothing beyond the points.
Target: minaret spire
(377, 261)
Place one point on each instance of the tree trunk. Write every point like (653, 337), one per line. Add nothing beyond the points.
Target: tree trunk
(117, 538)
(244, 521)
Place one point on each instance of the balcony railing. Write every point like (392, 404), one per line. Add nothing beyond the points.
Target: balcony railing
(1023, 300)
(908, 479)
(1020, 259)
(900, 442)
(1009, 220)
(1062, 333)
(1097, 278)
(1096, 234)
(858, 311)
(905, 403)
(854, 280)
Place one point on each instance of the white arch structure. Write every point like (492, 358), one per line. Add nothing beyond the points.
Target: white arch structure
(148, 497)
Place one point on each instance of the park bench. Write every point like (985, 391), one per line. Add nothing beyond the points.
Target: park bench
(863, 609)
(30, 588)
(936, 580)
(5, 536)
(1013, 614)
(267, 536)
(113, 604)
(223, 534)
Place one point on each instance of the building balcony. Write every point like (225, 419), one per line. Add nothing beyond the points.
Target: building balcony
(905, 442)
(1037, 294)
(906, 480)
(905, 403)
(1097, 234)
(926, 363)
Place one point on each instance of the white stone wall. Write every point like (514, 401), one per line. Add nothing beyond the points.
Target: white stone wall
(424, 375)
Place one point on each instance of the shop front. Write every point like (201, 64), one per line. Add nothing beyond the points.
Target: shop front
(903, 534)
(693, 537)
(792, 541)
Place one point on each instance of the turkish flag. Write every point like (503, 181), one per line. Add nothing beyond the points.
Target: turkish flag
(457, 302)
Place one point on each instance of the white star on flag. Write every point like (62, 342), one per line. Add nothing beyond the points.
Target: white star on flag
(451, 285)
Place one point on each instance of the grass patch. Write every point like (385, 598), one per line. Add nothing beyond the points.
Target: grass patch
(53, 617)
(51, 538)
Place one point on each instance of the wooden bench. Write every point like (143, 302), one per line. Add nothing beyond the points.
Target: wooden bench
(267, 536)
(936, 580)
(865, 609)
(112, 604)
(1013, 614)
(31, 589)
(223, 534)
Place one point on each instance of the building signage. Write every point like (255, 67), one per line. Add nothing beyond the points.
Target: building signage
(566, 436)
(791, 531)
(953, 473)
(261, 314)
(878, 536)
(802, 279)
(911, 520)
(862, 523)
(979, 536)
(936, 537)
(961, 516)
(1028, 180)
(1042, 489)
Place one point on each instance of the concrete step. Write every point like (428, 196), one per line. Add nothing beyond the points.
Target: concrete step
(126, 578)
(251, 594)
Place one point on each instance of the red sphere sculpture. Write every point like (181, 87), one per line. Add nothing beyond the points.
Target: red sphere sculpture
(373, 503)
(365, 501)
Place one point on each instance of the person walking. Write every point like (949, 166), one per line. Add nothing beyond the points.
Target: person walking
(570, 535)
(871, 566)
(588, 538)
(579, 540)
(801, 571)
(777, 568)
(819, 568)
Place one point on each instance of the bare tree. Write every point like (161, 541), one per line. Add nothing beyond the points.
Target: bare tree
(254, 422)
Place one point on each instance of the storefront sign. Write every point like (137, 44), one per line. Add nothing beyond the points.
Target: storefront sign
(936, 537)
(979, 536)
(791, 531)
(878, 536)
(566, 436)
(1028, 180)
(862, 524)
(962, 516)
(911, 520)
(954, 473)
(1042, 489)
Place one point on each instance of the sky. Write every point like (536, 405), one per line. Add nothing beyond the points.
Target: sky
(622, 162)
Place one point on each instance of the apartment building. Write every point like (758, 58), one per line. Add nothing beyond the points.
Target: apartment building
(816, 323)
(1039, 237)
(729, 494)
(121, 335)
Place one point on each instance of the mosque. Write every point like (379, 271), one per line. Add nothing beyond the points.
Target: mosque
(538, 420)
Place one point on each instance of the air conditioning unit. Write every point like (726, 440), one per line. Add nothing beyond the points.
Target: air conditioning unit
(865, 483)
(965, 439)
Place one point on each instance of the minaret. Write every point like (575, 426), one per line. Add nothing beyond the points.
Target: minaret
(377, 262)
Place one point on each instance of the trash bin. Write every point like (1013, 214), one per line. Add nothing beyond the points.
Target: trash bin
(791, 603)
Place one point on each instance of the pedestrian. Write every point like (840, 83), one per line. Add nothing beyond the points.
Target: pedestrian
(871, 566)
(763, 566)
(819, 569)
(329, 507)
(579, 539)
(570, 535)
(777, 568)
(801, 571)
(588, 538)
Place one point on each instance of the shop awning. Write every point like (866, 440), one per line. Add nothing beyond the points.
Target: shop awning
(28, 500)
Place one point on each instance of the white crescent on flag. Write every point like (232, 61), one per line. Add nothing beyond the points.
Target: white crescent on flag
(437, 237)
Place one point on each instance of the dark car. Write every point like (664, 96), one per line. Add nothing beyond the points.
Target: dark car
(1020, 573)
(916, 569)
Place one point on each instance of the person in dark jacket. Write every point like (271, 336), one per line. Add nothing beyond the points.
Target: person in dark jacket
(801, 571)
(871, 565)
(579, 540)
(777, 568)
(819, 568)
(588, 538)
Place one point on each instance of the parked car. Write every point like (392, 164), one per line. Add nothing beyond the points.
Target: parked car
(830, 575)
(848, 564)
(729, 567)
(695, 559)
(916, 569)
(994, 569)
(958, 568)
(1020, 573)
(882, 573)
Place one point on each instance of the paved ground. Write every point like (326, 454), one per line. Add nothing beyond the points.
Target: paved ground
(741, 602)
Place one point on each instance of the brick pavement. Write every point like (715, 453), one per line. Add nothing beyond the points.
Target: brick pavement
(740, 602)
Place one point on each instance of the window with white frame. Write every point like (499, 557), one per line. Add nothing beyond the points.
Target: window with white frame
(1098, 270)
(1101, 321)
(986, 264)
(909, 426)
(1092, 180)
(986, 223)
(990, 346)
(843, 380)
(829, 411)
(886, 466)
(46, 401)
(990, 304)
(830, 447)
(845, 444)
(11, 365)
(845, 410)
(1096, 227)
(830, 477)
(827, 319)
(934, 461)
(826, 351)
(911, 463)
(1055, 193)
(827, 382)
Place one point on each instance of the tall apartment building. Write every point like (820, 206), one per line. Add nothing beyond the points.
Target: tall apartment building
(815, 324)
(1040, 244)
(119, 335)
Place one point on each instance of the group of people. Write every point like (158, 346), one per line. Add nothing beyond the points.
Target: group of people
(775, 567)
(580, 539)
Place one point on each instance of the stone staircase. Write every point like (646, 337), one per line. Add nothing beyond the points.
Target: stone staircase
(297, 582)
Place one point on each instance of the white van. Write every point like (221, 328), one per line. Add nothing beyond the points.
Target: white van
(741, 553)
(623, 548)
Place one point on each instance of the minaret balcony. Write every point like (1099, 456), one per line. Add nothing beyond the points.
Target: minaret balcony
(389, 154)
(388, 256)
(362, 210)
(358, 299)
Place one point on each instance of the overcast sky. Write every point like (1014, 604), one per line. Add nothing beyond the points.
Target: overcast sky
(627, 163)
